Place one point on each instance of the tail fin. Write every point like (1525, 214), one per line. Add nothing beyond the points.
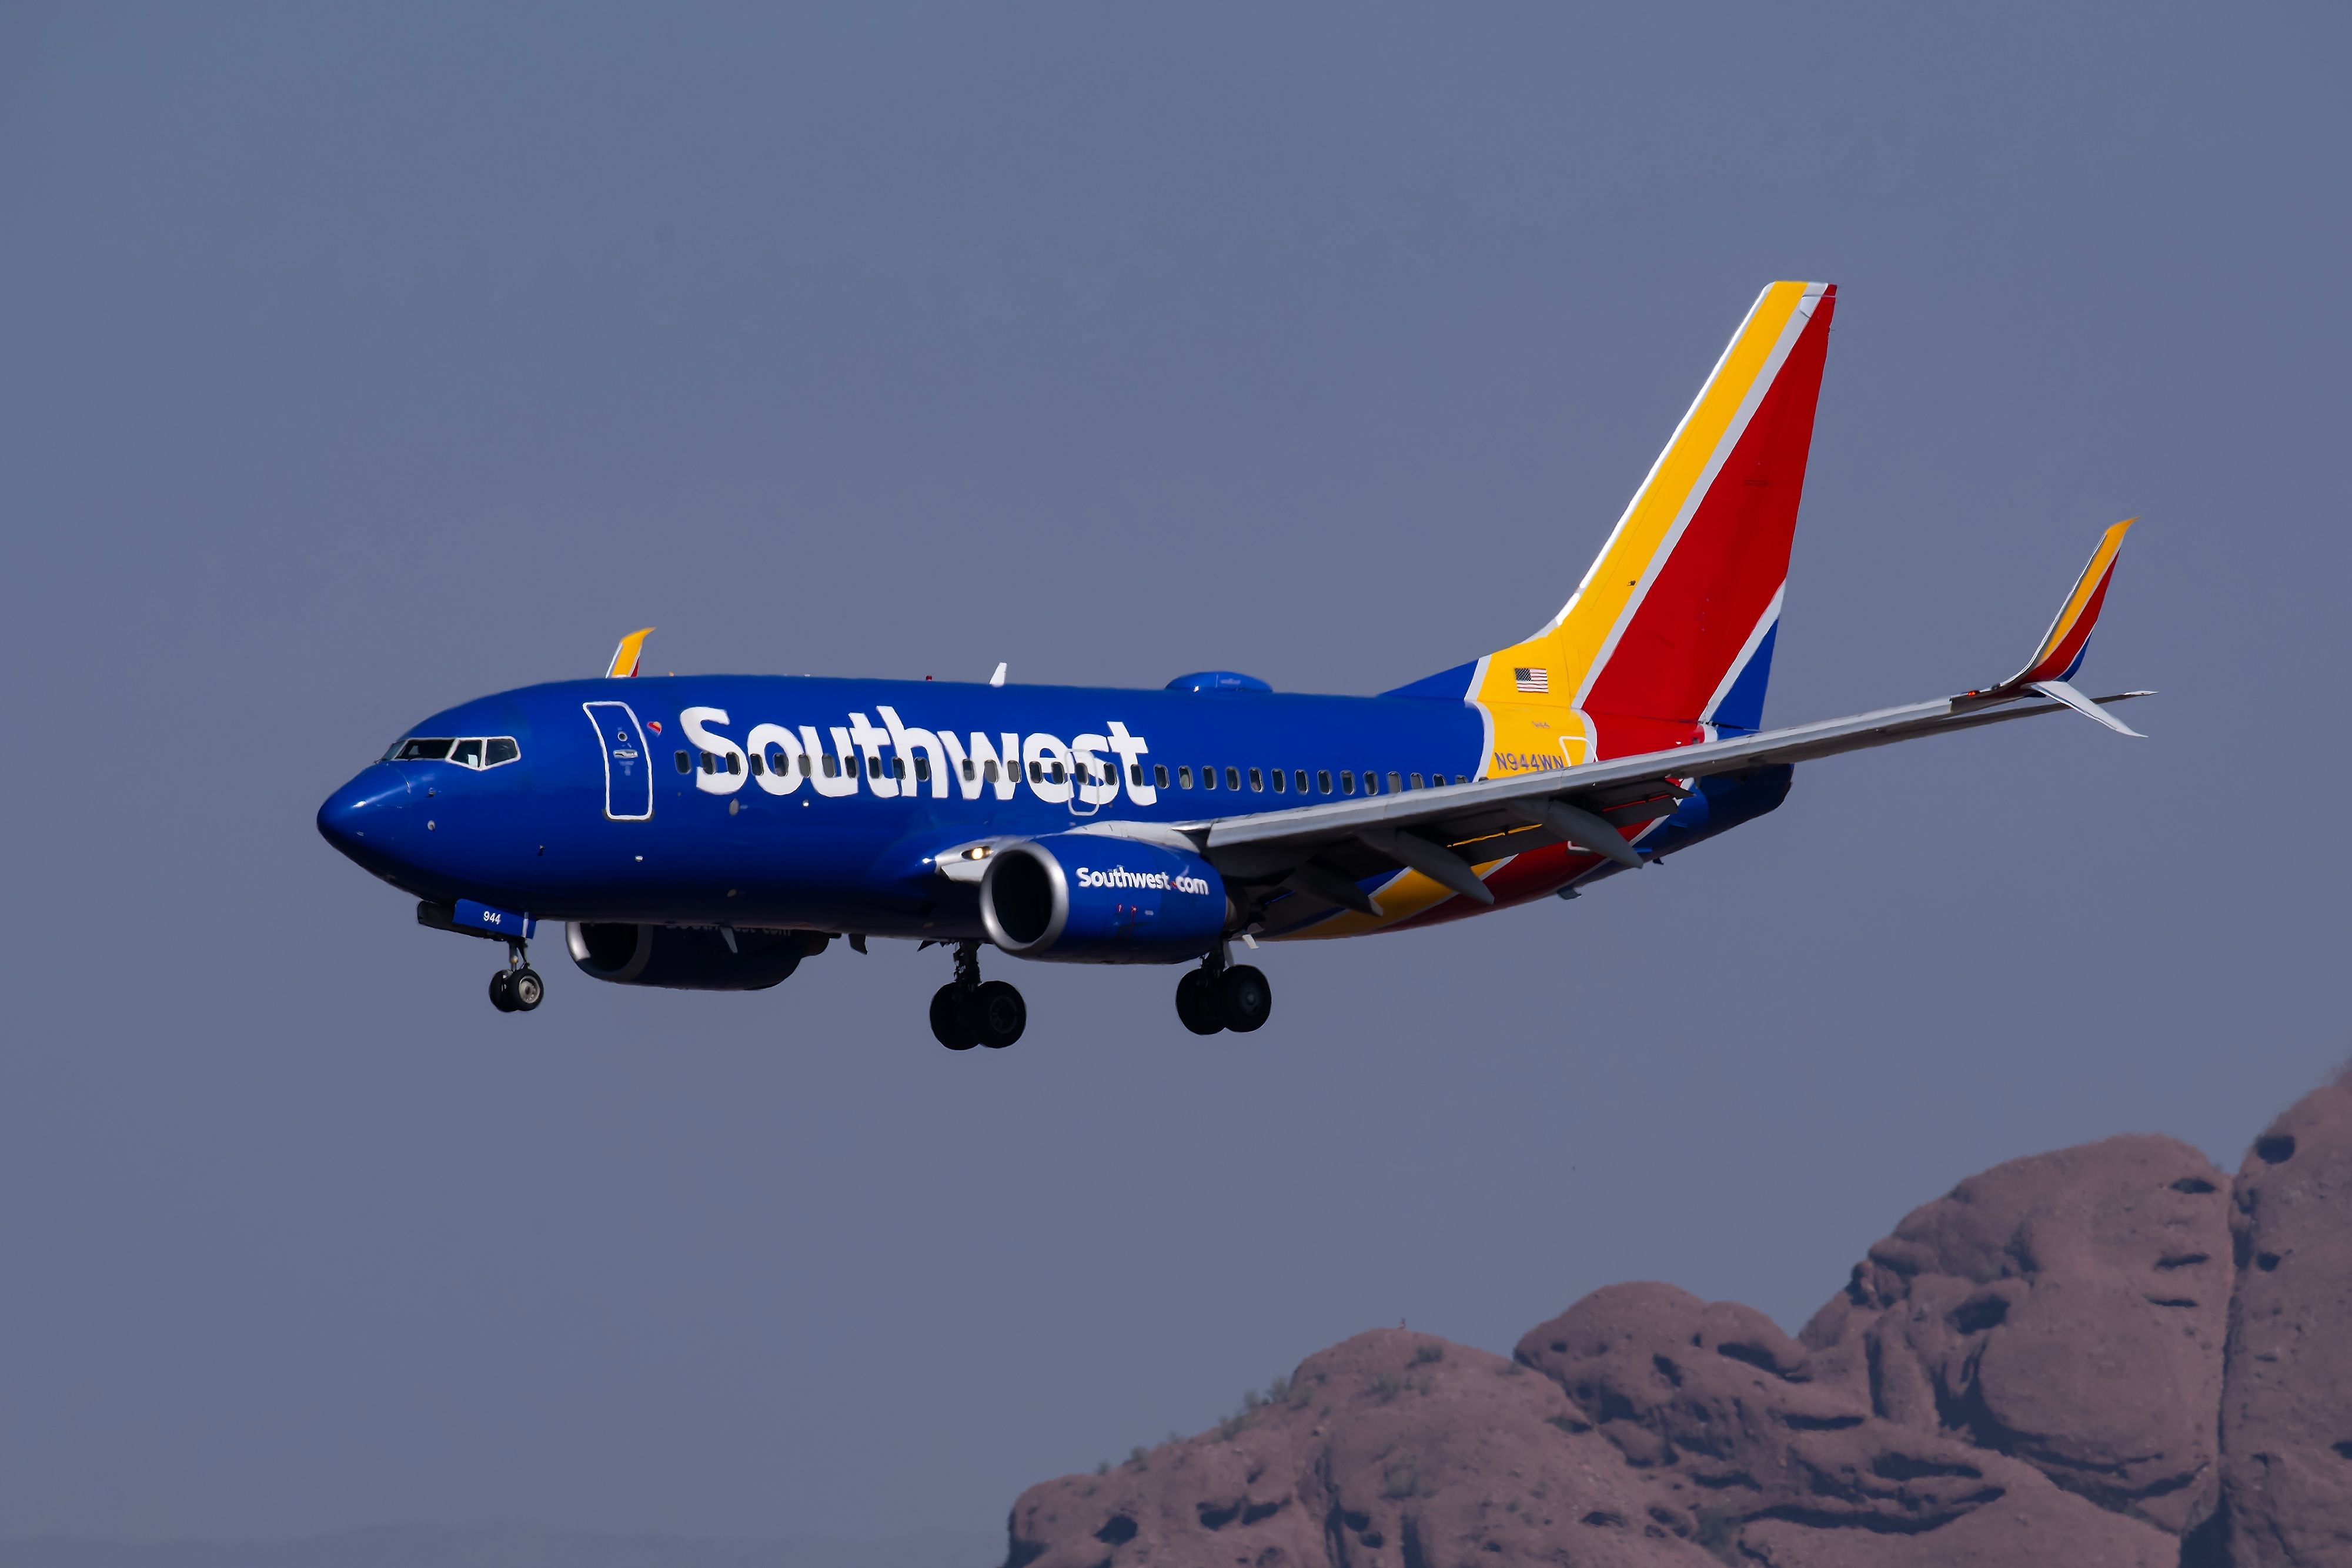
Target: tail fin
(1669, 637)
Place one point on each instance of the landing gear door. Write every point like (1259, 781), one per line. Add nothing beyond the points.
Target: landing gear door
(628, 763)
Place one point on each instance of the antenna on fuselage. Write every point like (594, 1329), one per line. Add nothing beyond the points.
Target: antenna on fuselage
(997, 679)
(625, 656)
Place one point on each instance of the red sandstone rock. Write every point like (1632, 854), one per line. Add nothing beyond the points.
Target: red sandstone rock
(2286, 1406)
(1798, 1471)
(2068, 1311)
(2027, 1372)
(1389, 1448)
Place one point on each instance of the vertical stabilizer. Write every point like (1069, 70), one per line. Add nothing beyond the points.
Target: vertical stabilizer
(1669, 637)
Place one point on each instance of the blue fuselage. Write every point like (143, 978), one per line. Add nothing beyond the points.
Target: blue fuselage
(603, 816)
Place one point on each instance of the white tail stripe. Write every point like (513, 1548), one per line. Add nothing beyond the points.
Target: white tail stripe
(1765, 379)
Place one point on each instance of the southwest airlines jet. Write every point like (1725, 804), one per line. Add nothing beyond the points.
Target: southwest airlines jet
(710, 832)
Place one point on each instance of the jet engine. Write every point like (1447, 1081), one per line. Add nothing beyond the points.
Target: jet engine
(689, 958)
(1090, 898)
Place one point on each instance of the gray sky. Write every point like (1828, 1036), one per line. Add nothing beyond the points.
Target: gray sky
(361, 361)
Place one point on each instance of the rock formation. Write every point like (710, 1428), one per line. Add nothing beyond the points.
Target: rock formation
(2112, 1354)
(2286, 1400)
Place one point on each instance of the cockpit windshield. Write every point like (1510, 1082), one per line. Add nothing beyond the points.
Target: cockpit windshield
(478, 752)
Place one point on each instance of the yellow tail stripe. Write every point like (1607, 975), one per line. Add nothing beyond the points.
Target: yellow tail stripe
(2085, 586)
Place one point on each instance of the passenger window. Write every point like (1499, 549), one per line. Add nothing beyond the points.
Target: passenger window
(874, 768)
(734, 762)
(1232, 777)
(502, 750)
(709, 763)
(971, 770)
(423, 751)
(1417, 783)
(685, 763)
(1059, 777)
(1135, 774)
(806, 764)
(1323, 780)
(755, 767)
(1395, 783)
(1184, 777)
(832, 765)
(1371, 783)
(987, 772)
(1036, 773)
(1159, 775)
(1277, 780)
(1208, 778)
(1347, 781)
(898, 767)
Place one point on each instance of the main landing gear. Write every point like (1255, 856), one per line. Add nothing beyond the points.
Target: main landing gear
(517, 988)
(1221, 995)
(966, 1012)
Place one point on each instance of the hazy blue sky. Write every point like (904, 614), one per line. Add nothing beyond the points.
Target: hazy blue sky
(361, 359)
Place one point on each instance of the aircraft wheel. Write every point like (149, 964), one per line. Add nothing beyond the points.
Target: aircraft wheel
(951, 1025)
(1245, 998)
(1001, 1014)
(1196, 1005)
(501, 994)
(525, 990)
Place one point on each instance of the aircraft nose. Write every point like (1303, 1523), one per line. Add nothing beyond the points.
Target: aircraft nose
(358, 818)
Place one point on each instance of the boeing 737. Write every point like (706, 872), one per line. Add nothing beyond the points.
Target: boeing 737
(712, 831)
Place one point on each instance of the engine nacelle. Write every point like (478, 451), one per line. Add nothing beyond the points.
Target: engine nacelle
(689, 958)
(1089, 898)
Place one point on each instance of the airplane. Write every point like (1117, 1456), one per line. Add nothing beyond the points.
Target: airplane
(711, 832)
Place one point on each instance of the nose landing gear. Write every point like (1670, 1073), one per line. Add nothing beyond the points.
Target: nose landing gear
(1220, 996)
(517, 988)
(966, 1012)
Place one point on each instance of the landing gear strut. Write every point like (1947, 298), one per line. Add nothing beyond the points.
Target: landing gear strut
(517, 988)
(966, 1012)
(1220, 995)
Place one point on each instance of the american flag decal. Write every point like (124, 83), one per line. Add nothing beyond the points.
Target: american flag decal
(1532, 680)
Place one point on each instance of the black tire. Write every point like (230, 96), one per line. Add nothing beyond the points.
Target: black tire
(500, 997)
(525, 990)
(1196, 1005)
(951, 1023)
(999, 1014)
(1245, 999)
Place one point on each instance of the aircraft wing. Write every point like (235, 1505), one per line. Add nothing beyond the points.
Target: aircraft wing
(1324, 851)
(1443, 832)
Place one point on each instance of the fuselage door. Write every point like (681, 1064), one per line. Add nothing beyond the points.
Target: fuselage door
(628, 762)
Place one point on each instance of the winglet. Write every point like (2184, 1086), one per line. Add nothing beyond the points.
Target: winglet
(2061, 654)
(625, 656)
